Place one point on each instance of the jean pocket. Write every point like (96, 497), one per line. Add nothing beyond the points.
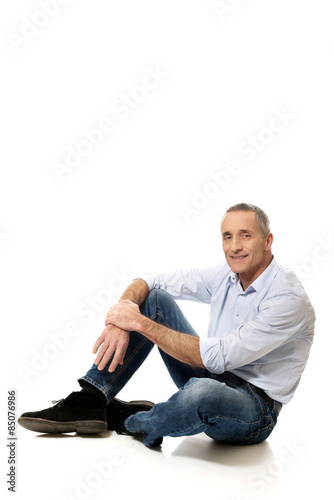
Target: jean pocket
(260, 433)
(264, 427)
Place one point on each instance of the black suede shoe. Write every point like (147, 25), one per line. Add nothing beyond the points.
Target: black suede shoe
(118, 411)
(77, 413)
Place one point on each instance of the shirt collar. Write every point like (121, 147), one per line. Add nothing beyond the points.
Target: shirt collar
(268, 274)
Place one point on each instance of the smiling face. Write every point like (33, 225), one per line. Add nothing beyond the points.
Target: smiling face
(247, 252)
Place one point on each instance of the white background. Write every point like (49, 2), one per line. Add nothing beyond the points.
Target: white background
(63, 240)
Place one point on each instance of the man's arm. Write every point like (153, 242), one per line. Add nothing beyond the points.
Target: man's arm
(137, 292)
(114, 340)
(181, 346)
(184, 347)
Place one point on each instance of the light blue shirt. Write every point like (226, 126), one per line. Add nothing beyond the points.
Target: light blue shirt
(262, 334)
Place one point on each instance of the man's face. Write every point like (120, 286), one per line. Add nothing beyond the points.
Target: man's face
(246, 251)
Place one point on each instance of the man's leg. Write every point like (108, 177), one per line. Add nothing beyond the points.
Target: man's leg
(226, 412)
(110, 384)
(100, 387)
(164, 310)
(85, 411)
(160, 307)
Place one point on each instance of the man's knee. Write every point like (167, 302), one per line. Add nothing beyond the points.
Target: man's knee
(156, 299)
(213, 394)
(201, 389)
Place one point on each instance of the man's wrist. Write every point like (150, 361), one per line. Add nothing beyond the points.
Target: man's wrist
(143, 325)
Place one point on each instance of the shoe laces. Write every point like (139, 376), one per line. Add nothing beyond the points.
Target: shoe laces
(59, 402)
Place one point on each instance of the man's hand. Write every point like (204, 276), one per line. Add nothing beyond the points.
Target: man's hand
(125, 315)
(115, 337)
(115, 341)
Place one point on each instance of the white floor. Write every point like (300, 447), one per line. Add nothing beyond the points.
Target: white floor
(291, 464)
(288, 465)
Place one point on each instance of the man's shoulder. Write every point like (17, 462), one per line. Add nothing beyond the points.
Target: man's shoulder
(287, 291)
(215, 275)
(287, 280)
(219, 271)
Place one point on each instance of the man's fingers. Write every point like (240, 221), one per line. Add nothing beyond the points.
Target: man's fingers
(104, 355)
(97, 345)
(112, 342)
(117, 359)
(100, 340)
(99, 357)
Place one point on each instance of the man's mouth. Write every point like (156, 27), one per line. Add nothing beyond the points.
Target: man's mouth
(238, 257)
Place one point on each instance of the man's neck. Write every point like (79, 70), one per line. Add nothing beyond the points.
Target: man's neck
(246, 280)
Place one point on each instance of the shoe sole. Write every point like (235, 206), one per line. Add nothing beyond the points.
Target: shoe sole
(136, 402)
(50, 426)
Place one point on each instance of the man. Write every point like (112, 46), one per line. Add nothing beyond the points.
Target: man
(232, 384)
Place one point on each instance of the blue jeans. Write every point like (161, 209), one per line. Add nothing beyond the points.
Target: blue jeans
(226, 409)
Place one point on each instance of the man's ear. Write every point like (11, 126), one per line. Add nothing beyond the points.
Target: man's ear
(269, 241)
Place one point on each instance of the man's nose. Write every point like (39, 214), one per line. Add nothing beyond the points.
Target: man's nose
(236, 245)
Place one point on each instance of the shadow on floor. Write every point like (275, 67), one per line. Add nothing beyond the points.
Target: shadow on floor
(203, 448)
(101, 435)
(195, 447)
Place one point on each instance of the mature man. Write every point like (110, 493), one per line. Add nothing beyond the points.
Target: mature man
(232, 384)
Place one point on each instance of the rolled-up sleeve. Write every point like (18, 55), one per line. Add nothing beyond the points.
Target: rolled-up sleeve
(279, 321)
(151, 279)
(212, 354)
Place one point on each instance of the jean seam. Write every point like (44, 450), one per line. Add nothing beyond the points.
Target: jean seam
(219, 417)
(191, 428)
(127, 428)
(263, 430)
(256, 397)
(94, 383)
(125, 364)
(264, 403)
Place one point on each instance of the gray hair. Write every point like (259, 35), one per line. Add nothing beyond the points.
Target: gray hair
(262, 217)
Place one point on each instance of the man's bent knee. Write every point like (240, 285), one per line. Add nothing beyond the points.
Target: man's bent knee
(156, 299)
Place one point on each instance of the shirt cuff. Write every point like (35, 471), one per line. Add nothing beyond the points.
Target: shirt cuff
(211, 354)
